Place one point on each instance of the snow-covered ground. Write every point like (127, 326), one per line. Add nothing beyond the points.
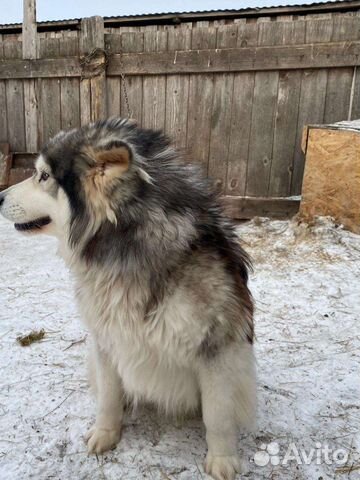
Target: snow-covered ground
(307, 289)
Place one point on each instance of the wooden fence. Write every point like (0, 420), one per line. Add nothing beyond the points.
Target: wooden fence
(236, 96)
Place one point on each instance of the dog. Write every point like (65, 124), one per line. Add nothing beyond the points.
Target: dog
(161, 279)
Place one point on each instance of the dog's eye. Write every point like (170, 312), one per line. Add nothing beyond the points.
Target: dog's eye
(44, 176)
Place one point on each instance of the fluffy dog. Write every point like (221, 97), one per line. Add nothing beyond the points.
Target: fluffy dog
(161, 279)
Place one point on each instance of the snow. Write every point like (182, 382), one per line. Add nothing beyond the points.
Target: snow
(306, 288)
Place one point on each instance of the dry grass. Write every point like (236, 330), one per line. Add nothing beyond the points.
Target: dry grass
(347, 469)
(32, 337)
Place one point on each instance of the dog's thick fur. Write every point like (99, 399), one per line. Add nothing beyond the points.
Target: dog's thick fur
(161, 278)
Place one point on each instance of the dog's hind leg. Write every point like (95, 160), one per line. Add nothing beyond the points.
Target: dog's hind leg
(105, 434)
(228, 396)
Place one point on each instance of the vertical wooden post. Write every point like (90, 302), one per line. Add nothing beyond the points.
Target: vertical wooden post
(29, 30)
(92, 90)
(29, 51)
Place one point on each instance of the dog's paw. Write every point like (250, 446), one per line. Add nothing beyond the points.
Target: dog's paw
(222, 467)
(99, 440)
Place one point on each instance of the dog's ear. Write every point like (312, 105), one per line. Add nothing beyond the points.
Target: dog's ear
(106, 165)
(111, 162)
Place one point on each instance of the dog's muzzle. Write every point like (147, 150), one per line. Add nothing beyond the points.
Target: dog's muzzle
(15, 213)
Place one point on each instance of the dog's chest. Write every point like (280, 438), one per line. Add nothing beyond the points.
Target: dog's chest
(115, 313)
(154, 355)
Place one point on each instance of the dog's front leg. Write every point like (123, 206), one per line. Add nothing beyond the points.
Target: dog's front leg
(105, 434)
(227, 383)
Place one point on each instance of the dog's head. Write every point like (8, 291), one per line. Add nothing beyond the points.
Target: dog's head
(80, 179)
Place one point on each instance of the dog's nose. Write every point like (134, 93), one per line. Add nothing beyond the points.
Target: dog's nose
(2, 198)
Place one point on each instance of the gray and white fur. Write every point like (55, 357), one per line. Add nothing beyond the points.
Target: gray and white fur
(161, 279)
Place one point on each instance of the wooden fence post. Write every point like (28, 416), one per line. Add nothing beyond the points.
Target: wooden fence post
(30, 51)
(29, 30)
(93, 82)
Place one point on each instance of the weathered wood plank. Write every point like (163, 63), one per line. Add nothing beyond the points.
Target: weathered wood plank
(338, 92)
(220, 128)
(345, 28)
(203, 38)
(241, 117)
(112, 43)
(312, 97)
(91, 38)
(177, 91)
(92, 34)
(113, 94)
(12, 49)
(24, 159)
(69, 47)
(261, 136)
(154, 87)
(15, 115)
(70, 103)
(85, 101)
(247, 35)
(85, 46)
(29, 43)
(179, 39)
(17, 175)
(248, 207)
(98, 97)
(267, 58)
(49, 47)
(263, 118)
(339, 83)
(50, 108)
(200, 102)
(294, 32)
(30, 51)
(31, 114)
(318, 31)
(40, 68)
(3, 113)
(1, 47)
(270, 33)
(311, 110)
(155, 41)
(286, 120)
(240, 133)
